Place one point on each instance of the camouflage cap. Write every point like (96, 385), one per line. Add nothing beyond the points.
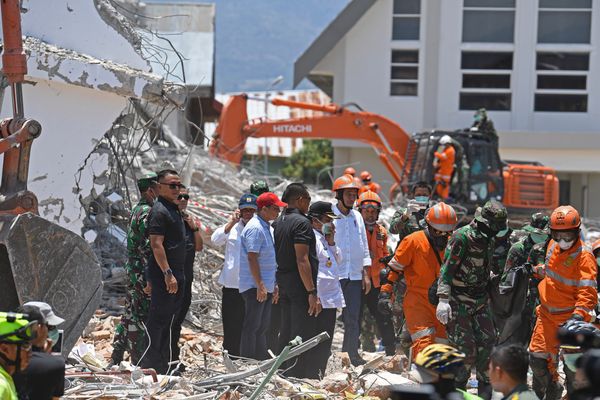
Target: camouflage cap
(539, 224)
(259, 187)
(493, 214)
(146, 181)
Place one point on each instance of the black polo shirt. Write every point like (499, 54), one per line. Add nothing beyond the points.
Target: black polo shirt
(165, 220)
(290, 228)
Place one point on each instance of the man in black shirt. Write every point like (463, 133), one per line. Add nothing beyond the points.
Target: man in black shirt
(297, 267)
(165, 271)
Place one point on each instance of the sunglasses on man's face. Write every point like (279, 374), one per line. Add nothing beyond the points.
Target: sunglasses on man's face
(183, 197)
(173, 186)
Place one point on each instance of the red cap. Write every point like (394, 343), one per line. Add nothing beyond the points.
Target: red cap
(269, 199)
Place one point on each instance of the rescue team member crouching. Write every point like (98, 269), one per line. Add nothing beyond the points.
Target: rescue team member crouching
(567, 291)
(16, 334)
(463, 292)
(370, 205)
(418, 258)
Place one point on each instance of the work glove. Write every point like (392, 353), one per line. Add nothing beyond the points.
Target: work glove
(384, 303)
(443, 312)
(412, 207)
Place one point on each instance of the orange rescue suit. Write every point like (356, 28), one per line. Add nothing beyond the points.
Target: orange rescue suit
(415, 258)
(377, 240)
(444, 171)
(568, 287)
(373, 187)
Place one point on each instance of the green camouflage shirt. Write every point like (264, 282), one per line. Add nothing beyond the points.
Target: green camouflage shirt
(501, 253)
(518, 254)
(403, 228)
(465, 272)
(138, 243)
(537, 254)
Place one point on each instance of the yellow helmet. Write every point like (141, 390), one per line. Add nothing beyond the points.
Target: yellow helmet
(440, 359)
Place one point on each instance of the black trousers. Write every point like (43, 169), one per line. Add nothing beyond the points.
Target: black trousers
(295, 321)
(253, 343)
(385, 324)
(274, 333)
(164, 309)
(325, 323)
(232, 316)
(186, 302)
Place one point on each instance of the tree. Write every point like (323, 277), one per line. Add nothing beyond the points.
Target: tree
(308, 161)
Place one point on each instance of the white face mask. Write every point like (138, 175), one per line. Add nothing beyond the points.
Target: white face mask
(564, 245)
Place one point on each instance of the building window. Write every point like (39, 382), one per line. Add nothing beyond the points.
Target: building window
(488, 21)
(565, 21)
(486, 80)
(404, 73)
(562, 81)
(406, 20)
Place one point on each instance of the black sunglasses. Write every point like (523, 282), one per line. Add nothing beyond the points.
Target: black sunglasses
(183, 197)
(173, 186)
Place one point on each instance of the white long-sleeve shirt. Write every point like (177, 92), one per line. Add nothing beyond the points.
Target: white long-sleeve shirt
(351, 238)
(230, 274)
(329, 288)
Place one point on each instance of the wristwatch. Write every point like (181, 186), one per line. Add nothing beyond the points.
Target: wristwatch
(195, 229)
(314, 291)
(168, 272)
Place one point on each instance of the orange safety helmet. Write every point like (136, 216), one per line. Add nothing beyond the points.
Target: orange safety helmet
(365, 176)
(442, 217)
(344, 182)
(350, 171)
(369, 197)
(565, 218)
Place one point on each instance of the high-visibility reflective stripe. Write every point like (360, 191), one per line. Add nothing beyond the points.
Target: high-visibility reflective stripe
(441, 340)
(557, 310)
(395, 265)
(422, 333)
(545, 356)
(570, 282)
(550, 252)
(587, 310)
(443, 176)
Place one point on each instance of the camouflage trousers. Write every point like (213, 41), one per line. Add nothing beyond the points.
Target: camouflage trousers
(402, 334)
(471, 330)
(130, 334)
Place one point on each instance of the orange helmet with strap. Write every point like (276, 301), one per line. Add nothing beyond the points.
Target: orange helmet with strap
(369, 197)
(350, 171)
(344, 182)
(365, 176)
(565, 218)
(442, 217)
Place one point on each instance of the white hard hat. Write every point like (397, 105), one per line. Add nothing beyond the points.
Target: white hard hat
(445, 139)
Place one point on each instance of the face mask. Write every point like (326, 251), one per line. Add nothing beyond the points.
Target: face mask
(502, 233)
(564, 245)
(486, 230)
(422, 200)
(538, 237)
(440, 242)
(326, 229)
(53, 335)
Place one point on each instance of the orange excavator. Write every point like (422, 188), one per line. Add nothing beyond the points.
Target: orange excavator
(479, 173)
(39, 260)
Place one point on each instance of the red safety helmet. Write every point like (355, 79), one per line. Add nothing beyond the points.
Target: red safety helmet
(369, 197)
(350, 171)
(565, 218)
(344, 182)
(442, 217)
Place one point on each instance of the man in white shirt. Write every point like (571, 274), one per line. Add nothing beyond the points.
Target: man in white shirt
(232, 304)
(351, 238)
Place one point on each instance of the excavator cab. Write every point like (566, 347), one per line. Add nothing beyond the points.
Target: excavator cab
(477, 175)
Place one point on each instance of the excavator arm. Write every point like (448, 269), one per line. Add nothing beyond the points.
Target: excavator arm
(386, 137)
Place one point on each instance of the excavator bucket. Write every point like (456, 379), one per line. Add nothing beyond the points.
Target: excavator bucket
(42, 261)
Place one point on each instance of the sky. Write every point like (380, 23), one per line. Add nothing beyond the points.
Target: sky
(258, 40)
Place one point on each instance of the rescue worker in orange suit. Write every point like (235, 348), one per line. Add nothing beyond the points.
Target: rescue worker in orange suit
(444, 166)
(419, 258)
(368, 184)
(567, 292)
(370, 206)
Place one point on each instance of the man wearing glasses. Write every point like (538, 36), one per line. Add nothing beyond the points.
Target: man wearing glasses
(257, 276)
(16, 334)
(567, 292)
(165, 271)
(193, 243)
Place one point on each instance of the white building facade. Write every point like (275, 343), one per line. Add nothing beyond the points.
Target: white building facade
(533, 64)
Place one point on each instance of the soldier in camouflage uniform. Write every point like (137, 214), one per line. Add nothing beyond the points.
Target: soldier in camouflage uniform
(130, 333)
(407, 220)
(518, 256)
(463, 293)
(503, 244)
